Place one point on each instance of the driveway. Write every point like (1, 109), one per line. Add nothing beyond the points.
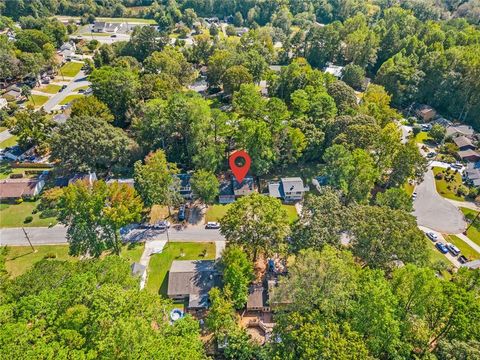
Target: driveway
(441, 239)
(435, 212)
(4, 135)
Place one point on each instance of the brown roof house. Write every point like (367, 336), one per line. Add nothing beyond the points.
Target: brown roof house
(20, 188)
(426, 113)
(191, 280)
(464, 143)
(469, 155)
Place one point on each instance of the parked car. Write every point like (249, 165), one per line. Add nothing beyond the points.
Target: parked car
(46, 80)
(63, 87)
(181, 213)
(162, 225)
(457, 165)
(431, 154)
(81, 91)
(453, 249)
(432, 236)
(462, 259)
(113, 36)
(414, 195)
(212, 225)
(441, 247)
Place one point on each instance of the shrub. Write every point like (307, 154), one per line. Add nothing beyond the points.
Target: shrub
(19, 201)
(439, 176)
(28, 219)
(50, 255)
(462, 190)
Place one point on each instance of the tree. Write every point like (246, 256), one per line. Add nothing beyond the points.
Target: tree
(352, 172)
(234, 77)
(395, 198)
(170, 61)
(155, 180)
(85, 144)
(407, 163)
(116, 87)
(237, 274)
(90, 106)
(437, 133)
(257, 223)
(381, 235)
(205, 186)
(94, 215)
(354, 76)
(344, 97)
(221, 317)
(33, 128)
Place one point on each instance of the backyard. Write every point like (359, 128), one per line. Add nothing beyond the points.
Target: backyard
(473, 232)
(157, 281)
(70, 69)
(14, 215)
(448, 184)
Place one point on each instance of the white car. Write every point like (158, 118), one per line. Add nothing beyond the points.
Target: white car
(453, 249)
(414, 195)
(432, 236)
(212, 225)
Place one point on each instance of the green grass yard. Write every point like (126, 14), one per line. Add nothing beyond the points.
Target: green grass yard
(51, 89)
(6, 169)
(132, 252)
(13, 215)
(82, 88)
(37, 100)
(70, 98)
(70, 69)
(466, 249)
(11, 141)
(157, 281)
(21, 258)
(437, 259)
(448, 188)
(422, 137)
(473, 232)
(216, 212)
(408, 188)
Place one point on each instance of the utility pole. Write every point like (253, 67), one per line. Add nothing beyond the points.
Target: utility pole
(28, 239)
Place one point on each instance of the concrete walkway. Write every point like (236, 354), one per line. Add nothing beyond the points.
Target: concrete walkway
(473, 245)
(219, 247)
(464, 204)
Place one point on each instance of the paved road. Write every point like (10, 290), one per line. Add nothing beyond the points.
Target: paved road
(464, 204)
(435, 212)
(78, 81)
(4, 135)
(57, 235)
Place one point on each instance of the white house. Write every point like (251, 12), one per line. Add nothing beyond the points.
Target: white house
(288, 189)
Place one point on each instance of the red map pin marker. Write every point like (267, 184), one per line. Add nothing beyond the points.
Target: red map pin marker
(239, 171)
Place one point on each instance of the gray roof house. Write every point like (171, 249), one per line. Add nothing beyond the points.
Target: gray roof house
(289, 189)
(226, 195)
(191, 280)
(246, 187)
(459, 130)
(185, 188)
(472, 174)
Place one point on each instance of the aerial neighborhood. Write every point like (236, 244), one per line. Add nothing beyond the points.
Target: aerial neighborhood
(240, 180)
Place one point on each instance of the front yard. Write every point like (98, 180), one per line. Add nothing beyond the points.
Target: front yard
(216, 212)
(70, 98)
(14, 215)
(70, 69)
(11, 141)
(448, 184)
(473, 232)
(6, 169)
(466, 250)
(37, 100)
(157, 281)
(50, 89)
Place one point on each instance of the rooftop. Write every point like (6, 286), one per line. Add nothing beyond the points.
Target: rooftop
(462, 141)
(293, 184)
(16, 188)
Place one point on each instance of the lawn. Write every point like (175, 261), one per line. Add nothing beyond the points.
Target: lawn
(448, 188)
(70, 98)
(70, 69)
(409, 188)
(11, 141)
(158, 213)
(466, 249)
(132, 252)
(82, 88)
(216, 212)
(436, 258)
(37, 100)
(21, 258)
(159, 265)
(131, 20)
(13, 215)
(94, 34)
(473, 232)
(422, 137)
(3, 128)
(51, 89)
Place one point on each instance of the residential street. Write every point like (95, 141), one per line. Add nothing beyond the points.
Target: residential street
(57, 235)
(78, 81)
(434, 211)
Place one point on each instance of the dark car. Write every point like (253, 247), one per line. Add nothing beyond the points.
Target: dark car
(462, 259)
(181, 213)
(63, 87)
(441, 247)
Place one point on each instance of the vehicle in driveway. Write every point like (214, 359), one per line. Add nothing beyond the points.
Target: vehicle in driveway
(212, 225)
(431, 155)
(453, 249)
(441, 247)
(181, 213)
(63, 87)
(162, 225)
(414, 195)
(457, 165)
(432, 236)
(462, 259)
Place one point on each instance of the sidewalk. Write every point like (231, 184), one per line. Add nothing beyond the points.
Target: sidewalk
(464, 204)
(469, 242)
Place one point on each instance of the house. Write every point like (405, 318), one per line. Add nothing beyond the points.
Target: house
(288, 189)
(14, 93)
(14, 153)
(426, 113)
(226, 195)
(442, 122)
(244, 188)
(334, 70)
(469, 155)
(472, 175)
(459, 130)
(191, 280)
(185, 188)
(105, 27)
(257, 298)
(20, 188)
(90, 178)
(464, 143)
(130, 182)
(67, 50)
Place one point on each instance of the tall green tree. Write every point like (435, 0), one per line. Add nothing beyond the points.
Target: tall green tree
(205, 186)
